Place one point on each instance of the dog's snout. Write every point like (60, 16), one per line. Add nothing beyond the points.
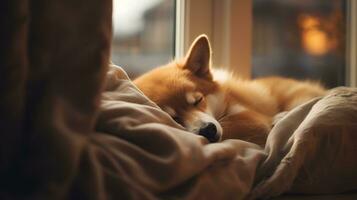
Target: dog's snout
(209, 131)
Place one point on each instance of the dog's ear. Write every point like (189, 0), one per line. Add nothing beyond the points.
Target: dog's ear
(198, 58)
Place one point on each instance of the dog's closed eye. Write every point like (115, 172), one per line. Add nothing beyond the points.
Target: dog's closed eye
(194, 98)
(198, 101)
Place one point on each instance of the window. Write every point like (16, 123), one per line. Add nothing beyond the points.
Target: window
(254, 38)
(143, 34)
(300, 39)
(351, 43)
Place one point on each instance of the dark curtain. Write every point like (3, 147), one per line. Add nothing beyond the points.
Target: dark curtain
(53, 59)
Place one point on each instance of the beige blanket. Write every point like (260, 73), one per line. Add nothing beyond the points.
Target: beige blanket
(146, 155)
(313, 149)
(54, 56)
(156, 158)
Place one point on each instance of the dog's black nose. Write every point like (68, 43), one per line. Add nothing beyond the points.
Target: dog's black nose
(209, 131)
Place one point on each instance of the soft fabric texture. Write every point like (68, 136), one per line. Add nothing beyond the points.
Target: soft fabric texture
(54, 57)
(71, 131)
(309, 151)
(313, 149)
(156, 157)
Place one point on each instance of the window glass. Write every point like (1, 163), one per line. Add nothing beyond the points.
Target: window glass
(143, 34)
(300, 39)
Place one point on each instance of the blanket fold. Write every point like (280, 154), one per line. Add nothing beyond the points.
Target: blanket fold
(71, 130)
(309, 151)
(313, 151)
(161, 157)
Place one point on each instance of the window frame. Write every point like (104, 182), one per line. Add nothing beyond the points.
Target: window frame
(194, 17)
(205, 16)
(179, 28)
(351, 53)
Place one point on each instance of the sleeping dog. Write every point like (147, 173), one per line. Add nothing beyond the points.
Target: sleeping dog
(217, 104)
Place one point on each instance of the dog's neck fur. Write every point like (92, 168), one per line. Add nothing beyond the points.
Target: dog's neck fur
(249, 94)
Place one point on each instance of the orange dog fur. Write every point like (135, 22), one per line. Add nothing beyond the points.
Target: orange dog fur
(217, 104)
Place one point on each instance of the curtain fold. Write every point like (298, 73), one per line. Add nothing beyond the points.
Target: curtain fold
(14, 18)
(63, 138)
(54, 55)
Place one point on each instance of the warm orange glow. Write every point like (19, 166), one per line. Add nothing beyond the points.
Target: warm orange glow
(314, 40)
(308, 21)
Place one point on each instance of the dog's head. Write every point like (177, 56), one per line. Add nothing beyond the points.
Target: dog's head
(185, 89)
